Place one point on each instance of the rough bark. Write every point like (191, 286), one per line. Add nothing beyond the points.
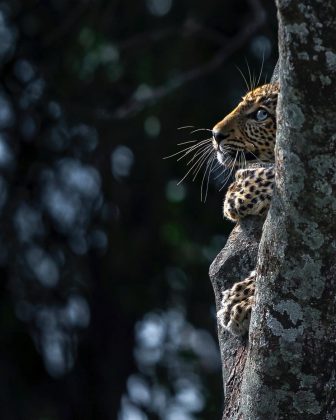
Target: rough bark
(232, 264)
(290, 369)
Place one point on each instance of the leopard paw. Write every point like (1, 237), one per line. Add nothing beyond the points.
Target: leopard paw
(250, 194)
(237, 303)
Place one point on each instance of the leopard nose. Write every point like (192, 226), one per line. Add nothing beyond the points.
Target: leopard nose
(219, 136)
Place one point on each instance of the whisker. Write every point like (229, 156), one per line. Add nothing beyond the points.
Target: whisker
(259, 160)
(207, 155)
(228, 169)
(222, 166)
(194, 149)
(262, 67)
(217, 166)
(226, 179)
(234, 162)
(188, 149)
(232, 168)
(221, 173)
(249, 73)
(206, 148)
(185, 127)
(244, 161)
(191, 168)
(254, 80)
(185, 142)
(210, 161)
(207, 186)
(244, 78)
(200, 129)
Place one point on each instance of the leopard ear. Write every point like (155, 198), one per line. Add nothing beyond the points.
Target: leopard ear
(275, 75)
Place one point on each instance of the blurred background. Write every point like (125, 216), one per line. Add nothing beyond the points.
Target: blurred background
(106, 310)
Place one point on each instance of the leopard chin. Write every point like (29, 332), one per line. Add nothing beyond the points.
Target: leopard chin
(234, 158)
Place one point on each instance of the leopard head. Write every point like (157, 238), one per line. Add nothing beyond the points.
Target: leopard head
(249, 131)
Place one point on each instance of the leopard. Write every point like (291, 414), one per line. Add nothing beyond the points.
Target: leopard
(247, 134)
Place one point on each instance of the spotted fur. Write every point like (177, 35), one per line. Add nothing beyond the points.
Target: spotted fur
(235, 313)
(250, 193)
(248, 131)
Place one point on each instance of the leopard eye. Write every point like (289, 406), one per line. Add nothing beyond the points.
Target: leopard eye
(261, 114)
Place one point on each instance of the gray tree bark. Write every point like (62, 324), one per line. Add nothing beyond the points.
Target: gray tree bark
(236, 260)
(287, 369)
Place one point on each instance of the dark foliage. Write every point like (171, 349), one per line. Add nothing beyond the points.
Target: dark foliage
(106, 306)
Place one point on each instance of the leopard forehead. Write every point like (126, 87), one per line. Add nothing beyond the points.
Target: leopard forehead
(264, 96)
(240, 130)
(262, 93)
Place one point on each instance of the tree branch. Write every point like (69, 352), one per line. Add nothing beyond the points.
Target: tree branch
(135, 105)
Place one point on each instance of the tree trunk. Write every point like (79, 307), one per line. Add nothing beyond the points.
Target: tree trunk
(234, 263)
(290, 369)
